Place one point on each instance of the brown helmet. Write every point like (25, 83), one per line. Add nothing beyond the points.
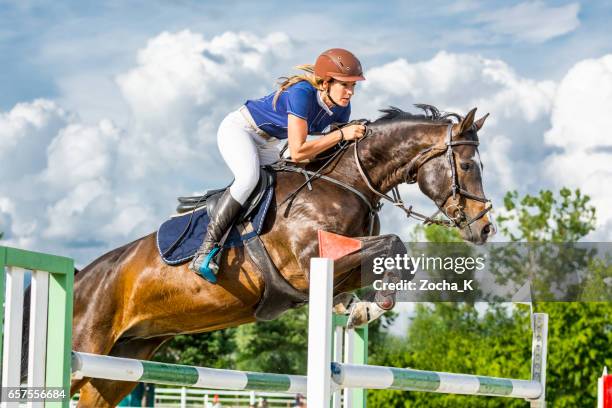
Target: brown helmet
(339, 64)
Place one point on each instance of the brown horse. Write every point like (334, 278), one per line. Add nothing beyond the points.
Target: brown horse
(128, 302)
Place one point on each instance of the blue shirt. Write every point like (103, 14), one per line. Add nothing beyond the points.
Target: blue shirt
(302, 100)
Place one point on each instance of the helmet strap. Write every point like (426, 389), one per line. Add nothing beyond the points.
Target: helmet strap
(327, 93)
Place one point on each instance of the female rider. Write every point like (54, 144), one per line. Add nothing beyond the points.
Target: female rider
(248, 138)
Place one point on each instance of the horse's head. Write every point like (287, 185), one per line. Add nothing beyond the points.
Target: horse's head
(451, 176)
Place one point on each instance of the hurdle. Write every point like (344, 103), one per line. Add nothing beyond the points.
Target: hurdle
(338, 375)
(51, 360)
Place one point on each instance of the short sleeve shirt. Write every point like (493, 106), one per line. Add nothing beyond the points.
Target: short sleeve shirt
(301, 100)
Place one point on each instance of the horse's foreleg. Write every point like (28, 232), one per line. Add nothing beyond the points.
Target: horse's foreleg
(374, 302)
(108, 393)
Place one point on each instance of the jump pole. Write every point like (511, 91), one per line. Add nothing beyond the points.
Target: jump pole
(127, 369)
(319, 332)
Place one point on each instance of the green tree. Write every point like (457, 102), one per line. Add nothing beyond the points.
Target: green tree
(214, 349)
(496, 341)
(580, 334)
(547, 218)
(276, 346)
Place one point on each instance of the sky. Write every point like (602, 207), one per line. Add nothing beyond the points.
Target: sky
(109, 110)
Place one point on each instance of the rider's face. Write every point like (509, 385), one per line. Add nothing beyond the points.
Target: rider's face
(341, 92)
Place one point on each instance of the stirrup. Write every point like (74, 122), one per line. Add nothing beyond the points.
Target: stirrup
(207, 271)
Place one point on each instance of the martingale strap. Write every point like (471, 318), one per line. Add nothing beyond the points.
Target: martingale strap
(314, 175)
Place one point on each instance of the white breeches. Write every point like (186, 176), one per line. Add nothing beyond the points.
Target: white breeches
(244, 151)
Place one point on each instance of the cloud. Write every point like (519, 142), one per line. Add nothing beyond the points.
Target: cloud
(581, 134)
(180, 75)
(460, 80)
(25, 130)
(532, 21)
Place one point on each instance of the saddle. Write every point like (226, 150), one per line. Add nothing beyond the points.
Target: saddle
(209, 199)
(278, 294)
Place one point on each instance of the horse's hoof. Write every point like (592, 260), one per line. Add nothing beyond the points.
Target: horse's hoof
(343, 302)
(362, 313)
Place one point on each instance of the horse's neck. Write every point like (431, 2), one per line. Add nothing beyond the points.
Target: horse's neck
(385, 154)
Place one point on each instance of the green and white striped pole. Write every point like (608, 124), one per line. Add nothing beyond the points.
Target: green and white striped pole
(406, 379)
(126, 369)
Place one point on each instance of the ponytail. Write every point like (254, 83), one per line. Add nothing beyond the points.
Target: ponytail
(309, 76)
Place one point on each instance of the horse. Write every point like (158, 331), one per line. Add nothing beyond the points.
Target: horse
(128, 302)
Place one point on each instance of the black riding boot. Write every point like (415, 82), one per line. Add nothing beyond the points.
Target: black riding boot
(227, 209)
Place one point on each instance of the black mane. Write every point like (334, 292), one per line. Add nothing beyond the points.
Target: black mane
(431, 115)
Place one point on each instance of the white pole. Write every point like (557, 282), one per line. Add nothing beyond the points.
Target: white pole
(319, 332)
(349, 350)
(13, 319)
(183, 397)
(539, 351)
(338, 345)
(37, 354)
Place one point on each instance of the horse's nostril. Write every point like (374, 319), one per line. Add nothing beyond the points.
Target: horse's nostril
(486, 230)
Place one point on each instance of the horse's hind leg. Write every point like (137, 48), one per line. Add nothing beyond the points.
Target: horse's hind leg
(107, 393)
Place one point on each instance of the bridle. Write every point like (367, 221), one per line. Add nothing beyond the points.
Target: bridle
(461, 220)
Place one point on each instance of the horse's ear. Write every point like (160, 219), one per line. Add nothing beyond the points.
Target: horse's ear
(468, 121)
(481, 122)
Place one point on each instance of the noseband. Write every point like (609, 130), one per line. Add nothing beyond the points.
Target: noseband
(462, 220)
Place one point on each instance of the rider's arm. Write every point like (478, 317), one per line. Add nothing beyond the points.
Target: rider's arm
(300, 149)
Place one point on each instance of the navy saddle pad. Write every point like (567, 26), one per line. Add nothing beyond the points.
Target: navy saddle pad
(179, 237)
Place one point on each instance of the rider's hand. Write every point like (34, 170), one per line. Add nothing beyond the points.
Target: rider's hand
(353, 132)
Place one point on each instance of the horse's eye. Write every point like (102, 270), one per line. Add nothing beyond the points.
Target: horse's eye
(465, 166)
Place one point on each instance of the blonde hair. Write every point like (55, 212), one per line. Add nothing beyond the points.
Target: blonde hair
(309, 76)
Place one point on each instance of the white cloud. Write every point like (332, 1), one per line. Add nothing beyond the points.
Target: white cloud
(79, 153)
(180, 75)
(532, 21)
(25, 131)
(460, 80)
(581, 131)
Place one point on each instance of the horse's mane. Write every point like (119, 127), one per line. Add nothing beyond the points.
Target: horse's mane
(430, 114)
